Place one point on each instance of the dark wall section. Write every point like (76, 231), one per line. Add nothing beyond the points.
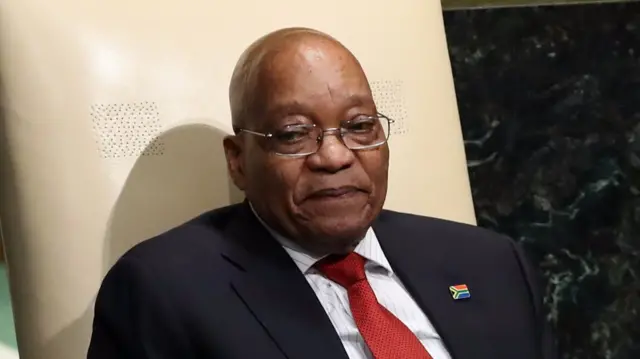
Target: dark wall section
(549, 100)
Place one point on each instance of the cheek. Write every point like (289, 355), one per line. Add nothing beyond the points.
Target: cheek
(282, 175)
(376, 165)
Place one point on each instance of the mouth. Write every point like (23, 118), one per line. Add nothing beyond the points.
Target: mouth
(335, 193)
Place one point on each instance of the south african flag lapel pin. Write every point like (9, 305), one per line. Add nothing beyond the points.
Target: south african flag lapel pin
(460, 291)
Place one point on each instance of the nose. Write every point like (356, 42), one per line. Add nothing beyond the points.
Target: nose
(332, 155)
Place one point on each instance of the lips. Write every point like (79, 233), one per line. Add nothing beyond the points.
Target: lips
(334, 192)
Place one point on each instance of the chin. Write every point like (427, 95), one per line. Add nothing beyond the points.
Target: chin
(340, 231)
(336, 225)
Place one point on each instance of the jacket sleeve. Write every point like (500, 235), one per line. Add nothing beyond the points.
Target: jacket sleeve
(546, 339)
(134, 319)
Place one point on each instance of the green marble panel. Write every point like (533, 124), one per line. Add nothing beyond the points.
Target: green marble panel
(549, 100)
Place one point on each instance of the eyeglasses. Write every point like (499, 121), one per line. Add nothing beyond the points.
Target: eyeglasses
(360, 133)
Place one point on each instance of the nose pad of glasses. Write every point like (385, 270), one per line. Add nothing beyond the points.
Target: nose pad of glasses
(329, 144)
(336, 132)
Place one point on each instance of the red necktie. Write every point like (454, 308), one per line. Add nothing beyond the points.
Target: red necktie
(386, 336)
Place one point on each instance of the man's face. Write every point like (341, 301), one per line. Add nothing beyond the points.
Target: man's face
(327, 200)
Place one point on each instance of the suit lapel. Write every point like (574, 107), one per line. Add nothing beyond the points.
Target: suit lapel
(421, 264)
(277, 293)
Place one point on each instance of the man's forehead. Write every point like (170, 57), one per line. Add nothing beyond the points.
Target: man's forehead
(293, 52)
(305, 58)
(283, 106)
(287, 71)
(262, 52)
(287, 87)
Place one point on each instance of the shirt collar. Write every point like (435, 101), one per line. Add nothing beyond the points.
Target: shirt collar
(369, 247)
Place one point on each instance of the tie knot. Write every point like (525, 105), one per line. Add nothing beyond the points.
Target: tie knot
(345, 270)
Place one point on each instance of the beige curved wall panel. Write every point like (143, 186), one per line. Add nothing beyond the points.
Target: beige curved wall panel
(112, 119)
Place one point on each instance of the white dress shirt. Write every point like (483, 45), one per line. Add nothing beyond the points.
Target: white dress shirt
(386, 286)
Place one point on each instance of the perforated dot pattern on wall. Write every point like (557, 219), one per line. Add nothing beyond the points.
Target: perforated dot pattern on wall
(127, 129)
(389, 98)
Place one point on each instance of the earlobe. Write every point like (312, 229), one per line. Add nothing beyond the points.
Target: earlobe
(235, 165)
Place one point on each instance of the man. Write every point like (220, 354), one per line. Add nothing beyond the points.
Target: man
(310, 266)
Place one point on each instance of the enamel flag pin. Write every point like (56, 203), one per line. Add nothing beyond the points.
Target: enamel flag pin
(460, 291)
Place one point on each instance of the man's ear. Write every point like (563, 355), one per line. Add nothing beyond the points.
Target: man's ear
(235, 165)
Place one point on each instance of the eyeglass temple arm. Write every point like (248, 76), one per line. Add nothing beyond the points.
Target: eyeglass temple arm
(386, 117)
(267, 135)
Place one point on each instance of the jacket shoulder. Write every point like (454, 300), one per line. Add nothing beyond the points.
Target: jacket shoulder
(463, 241)
(202, 235)
(457, 232)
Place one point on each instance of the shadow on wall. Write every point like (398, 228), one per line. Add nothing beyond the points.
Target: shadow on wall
(185, 175)
(161, 192)
(66, 343)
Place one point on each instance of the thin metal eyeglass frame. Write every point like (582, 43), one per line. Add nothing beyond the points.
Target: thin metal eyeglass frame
(339, 130)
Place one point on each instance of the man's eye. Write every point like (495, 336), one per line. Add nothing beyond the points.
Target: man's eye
(361, 125)
(291, 136)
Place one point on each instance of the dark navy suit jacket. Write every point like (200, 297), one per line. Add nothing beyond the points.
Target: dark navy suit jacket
(220, 287)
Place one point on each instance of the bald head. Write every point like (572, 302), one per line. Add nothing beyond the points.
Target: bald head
(261, 61)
